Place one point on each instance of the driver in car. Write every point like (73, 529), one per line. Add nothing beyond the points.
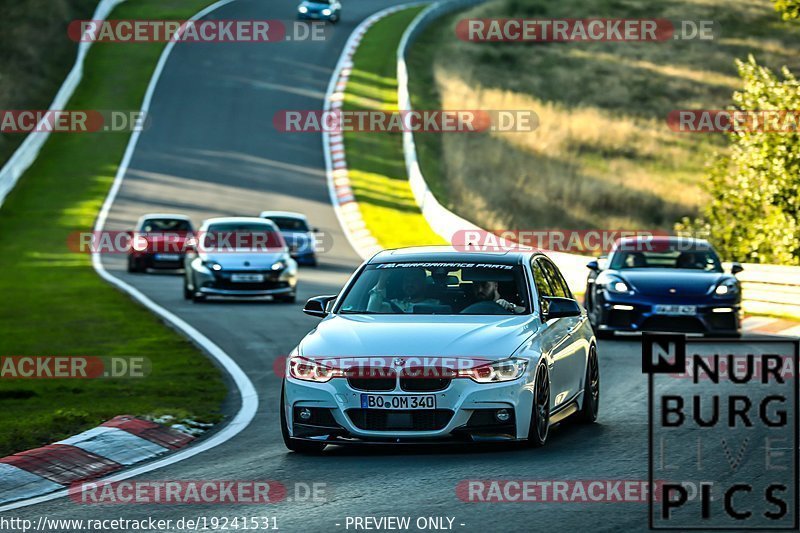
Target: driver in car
(412, 287)
(487, 291)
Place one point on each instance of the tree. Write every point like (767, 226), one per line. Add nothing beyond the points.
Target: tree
(790, 9)
(754, 213)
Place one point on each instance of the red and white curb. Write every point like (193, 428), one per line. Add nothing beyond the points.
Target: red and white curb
(341, 192)
(115, 444)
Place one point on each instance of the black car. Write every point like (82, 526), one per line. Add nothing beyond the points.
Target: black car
(669, 284)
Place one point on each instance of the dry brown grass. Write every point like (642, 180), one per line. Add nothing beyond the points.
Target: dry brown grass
(602, 156)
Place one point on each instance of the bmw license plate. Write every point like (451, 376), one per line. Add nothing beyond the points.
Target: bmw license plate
(385, 401)
(677, 310)
(168, 257)
(247, 278)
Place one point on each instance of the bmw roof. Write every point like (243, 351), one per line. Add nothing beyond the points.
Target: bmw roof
(449, 254)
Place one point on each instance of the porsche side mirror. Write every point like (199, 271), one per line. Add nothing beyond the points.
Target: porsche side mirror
(317, 306)
(554, 307)
(736, 268)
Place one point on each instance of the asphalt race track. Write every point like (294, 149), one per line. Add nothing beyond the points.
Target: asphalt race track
(212, 150)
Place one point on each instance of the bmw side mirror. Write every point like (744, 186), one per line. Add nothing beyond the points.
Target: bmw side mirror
(554, 307)
(736, 268)
(317, 306)
(593, 265)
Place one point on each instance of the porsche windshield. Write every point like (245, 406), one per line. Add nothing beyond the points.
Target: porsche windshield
(438, 289)
(668, 257)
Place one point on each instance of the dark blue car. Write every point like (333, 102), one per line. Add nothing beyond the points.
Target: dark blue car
(329, 10)
(668, 284)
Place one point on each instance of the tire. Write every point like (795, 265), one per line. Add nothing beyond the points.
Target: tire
(187, 294)
(296, 445)
(198, 298)
(133, 267)
(591, 390)
(540, 414)
(334, 19)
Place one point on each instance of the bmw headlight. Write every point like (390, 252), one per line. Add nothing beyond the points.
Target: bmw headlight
(139, 243)
(326, 12)
(728, 287)
(497, 372)
(302, 9)
(309, 370)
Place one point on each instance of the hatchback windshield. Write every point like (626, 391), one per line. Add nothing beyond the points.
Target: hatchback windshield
(438, 288)
(290, 223)
(155, 225)
(241, 236)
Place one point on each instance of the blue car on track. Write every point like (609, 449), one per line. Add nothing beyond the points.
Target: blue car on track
(329, 10)
(669, 284)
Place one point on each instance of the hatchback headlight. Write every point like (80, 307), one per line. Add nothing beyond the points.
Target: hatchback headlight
(497, 372)
(302, 9)
(212, 265)
(326, 12)
(309, 370)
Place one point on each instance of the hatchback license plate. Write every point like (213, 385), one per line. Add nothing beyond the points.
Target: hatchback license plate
(676, 309)
(396, 402)
(247, 278)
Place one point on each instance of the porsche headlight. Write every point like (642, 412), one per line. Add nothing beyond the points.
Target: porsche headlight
(726, 288)
(616, 285)
(279, 265)
(497, 372)
(309, 370)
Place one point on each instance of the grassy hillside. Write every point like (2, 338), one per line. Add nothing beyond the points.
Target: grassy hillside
(37, 55)
(603, 156)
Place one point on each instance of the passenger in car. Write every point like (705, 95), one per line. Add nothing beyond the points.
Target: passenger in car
(412, 284)
(487, 291)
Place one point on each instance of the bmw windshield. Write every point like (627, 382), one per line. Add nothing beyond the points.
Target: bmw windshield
(438, 288)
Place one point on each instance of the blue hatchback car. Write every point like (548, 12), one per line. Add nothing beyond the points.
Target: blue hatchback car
(668, 284)
(329, 10)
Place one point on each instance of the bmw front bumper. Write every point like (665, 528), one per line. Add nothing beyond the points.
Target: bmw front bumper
(464, 411)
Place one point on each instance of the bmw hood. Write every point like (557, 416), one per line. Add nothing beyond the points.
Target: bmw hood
(244, 260)
(660, 282)
(491, 337)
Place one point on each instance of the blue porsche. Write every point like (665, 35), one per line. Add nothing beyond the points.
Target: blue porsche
(667, 284)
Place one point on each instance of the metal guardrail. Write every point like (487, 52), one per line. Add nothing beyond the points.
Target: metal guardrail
(24, 156)
(768, 289)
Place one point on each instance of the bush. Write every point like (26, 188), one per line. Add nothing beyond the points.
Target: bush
(754, 213)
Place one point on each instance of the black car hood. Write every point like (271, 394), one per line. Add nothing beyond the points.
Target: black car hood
(671, 281)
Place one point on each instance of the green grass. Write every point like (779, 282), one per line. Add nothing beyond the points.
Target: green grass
(375, 160)
(603, 156)
(55, 304)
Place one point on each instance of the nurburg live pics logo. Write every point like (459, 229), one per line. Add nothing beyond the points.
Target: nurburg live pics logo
(725, 441)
